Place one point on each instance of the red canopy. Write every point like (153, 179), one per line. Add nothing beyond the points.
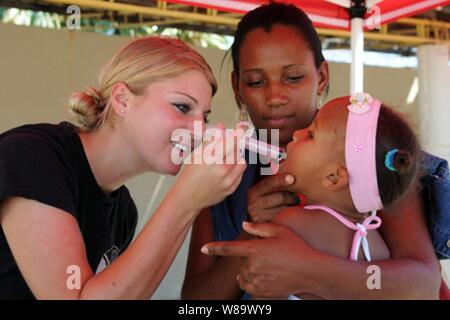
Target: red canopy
(329, 13)
(333, 14)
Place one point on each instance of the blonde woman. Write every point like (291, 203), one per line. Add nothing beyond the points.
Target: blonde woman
(66, 218)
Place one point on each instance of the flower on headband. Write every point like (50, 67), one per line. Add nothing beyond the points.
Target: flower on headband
(360, 102)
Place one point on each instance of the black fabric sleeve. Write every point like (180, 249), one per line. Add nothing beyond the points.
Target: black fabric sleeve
(35, 168)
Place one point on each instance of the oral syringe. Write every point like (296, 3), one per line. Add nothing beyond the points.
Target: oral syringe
(260, 147)
(264, 149)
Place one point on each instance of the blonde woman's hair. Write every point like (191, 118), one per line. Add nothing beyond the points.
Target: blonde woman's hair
(141, 62)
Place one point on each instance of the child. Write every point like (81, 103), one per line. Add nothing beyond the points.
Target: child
(353, 160)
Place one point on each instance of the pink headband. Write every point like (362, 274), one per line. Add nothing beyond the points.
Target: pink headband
(360, 152)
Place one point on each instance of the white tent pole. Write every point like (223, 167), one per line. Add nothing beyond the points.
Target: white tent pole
(357, 48)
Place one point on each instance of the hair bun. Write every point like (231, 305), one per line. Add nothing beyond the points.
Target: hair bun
(86, 107)
(96, 96)
(402, 161)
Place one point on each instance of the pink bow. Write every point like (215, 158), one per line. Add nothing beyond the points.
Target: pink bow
(361, 229)
(361, 236)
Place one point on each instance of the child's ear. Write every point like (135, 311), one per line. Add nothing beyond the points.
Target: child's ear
(335, 178)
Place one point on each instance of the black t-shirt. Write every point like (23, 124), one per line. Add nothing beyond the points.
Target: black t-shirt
(47, 163)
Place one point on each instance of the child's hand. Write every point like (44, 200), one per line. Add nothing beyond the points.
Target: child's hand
(267, 198)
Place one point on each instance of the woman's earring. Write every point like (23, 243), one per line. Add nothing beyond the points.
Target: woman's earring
(319, 100)
(243, 114)
(122, 112)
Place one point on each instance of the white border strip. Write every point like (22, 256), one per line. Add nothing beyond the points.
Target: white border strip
(341, 23)
(412, 8)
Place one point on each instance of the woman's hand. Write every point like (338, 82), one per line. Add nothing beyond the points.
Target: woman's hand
(268, 268)
(267, 198)
(212, 171)
(281, 263)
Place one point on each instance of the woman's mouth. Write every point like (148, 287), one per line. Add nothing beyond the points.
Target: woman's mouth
(278, 121)
(182, 149)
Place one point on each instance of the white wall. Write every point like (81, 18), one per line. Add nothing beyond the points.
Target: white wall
(434, 81)
(40, 68)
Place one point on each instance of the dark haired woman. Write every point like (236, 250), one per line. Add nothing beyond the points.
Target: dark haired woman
(279, 77)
